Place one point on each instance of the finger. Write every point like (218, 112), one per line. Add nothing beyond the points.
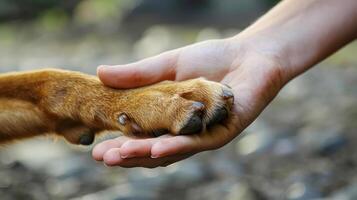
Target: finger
(172, 146)
(139, 147)
(213, 138)
(113, 158)
(99, 149)
(144, 72)
(135, 148)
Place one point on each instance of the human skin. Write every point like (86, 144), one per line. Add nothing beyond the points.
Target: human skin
(291, 38)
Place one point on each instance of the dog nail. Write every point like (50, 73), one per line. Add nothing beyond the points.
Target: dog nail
(198, 106)
(227, 94)
(123, 118)
(228, 86)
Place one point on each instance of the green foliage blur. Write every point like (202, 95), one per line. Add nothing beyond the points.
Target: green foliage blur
(53, 13)
(25, 10)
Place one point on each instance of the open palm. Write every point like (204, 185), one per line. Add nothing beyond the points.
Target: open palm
(255, 77)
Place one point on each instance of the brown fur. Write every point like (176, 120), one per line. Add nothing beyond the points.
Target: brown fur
(73, 104)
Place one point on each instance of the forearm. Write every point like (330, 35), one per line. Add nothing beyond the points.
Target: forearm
(304, 32)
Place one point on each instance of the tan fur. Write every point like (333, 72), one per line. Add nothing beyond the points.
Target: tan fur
(71, 104)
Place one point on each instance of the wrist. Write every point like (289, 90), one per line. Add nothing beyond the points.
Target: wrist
(266, 47)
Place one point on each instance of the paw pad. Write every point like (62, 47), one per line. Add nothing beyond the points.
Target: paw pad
(86, 139)
(193, 125)
(219, 115)
(159, 132)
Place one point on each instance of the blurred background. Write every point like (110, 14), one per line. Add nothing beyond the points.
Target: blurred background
(302, 147)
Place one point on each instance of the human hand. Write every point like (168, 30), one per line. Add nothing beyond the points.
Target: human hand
(256, 64)
(253, 71)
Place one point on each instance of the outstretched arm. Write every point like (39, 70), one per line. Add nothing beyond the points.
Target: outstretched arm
(256, 63)
(304, 32)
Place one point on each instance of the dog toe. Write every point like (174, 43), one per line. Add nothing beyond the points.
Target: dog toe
(219, 115)
(193, 125)
(86, 138)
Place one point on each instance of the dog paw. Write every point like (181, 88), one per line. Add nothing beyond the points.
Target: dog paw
(81, 106)
(211, 104)
(177, 108)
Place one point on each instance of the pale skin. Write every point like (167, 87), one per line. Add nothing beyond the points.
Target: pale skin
(291, 38)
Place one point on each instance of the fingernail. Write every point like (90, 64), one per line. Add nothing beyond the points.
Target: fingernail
(102, 66)
(100, 69)
(124, 156)
(154, 156)
(107, 67)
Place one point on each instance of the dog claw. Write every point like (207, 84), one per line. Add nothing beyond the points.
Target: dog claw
(228, 86)
(227, 94)
(198, 106)
(123, 118)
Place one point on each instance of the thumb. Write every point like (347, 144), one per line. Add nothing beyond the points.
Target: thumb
(144, 72)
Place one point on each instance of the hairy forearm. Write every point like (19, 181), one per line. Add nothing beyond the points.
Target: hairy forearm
(304, 32)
